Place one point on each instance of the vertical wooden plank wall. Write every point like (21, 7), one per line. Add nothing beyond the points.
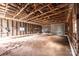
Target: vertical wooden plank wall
(14, 26)
(78, 29)
(10, 27)
(75, 32)
(4, 24)
(21, 26)
(25, 28)
(0, 28)
(78, 34)
(18, 25)
(72, 33)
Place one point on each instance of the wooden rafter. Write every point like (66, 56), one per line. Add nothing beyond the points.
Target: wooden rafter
(33, 12)
(21, 10)
(36, 15)
(5, 10)
(8, 9)
(40, 11)
(34, 6)
(51, 14)
(49, 7)
(70, 10)
(46, 12)
(12, 7)
(59, 19)
(43, 20)
(15, 6)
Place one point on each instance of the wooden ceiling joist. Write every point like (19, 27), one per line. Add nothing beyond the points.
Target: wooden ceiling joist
(69, 11)
(49, 7)
(47, 12)
(21, 10)
(49, 21)
(51, 14)
(14, 6)
(5, 10)
(34, 12)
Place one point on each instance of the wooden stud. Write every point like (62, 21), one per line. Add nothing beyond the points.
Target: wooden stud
(10, 27)
(16, 28)
(0, 27)
(4, 24)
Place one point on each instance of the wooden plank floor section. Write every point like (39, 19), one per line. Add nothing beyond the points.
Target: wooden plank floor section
(41, 45)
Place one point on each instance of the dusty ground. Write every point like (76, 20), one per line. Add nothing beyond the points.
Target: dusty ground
(36, 45)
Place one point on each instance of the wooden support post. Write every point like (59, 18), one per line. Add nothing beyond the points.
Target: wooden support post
(10, 27)
(0, 27)
(19, 28)
(28, 28)
(25, 28)
(16, 28)
(4, 24)
(31, 29)
(22, 26)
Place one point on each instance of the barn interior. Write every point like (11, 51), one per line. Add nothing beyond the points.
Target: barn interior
(39, 29)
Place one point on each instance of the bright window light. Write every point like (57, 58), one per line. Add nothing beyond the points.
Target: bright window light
(22, 29)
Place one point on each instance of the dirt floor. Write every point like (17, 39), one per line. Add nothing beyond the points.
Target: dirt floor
(36, 45)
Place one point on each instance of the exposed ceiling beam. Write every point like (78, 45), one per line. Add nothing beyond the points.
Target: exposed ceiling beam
(40, 11)
(7, 18)
(40, 20)
(13, 5)
(34, 12)
(49, 7)
(70, 10)
(21, 10)
(52, 19)
(2, 4)
(5, 10)
(51, 14)
(13, 8)
(34, 6)
(47, 12)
